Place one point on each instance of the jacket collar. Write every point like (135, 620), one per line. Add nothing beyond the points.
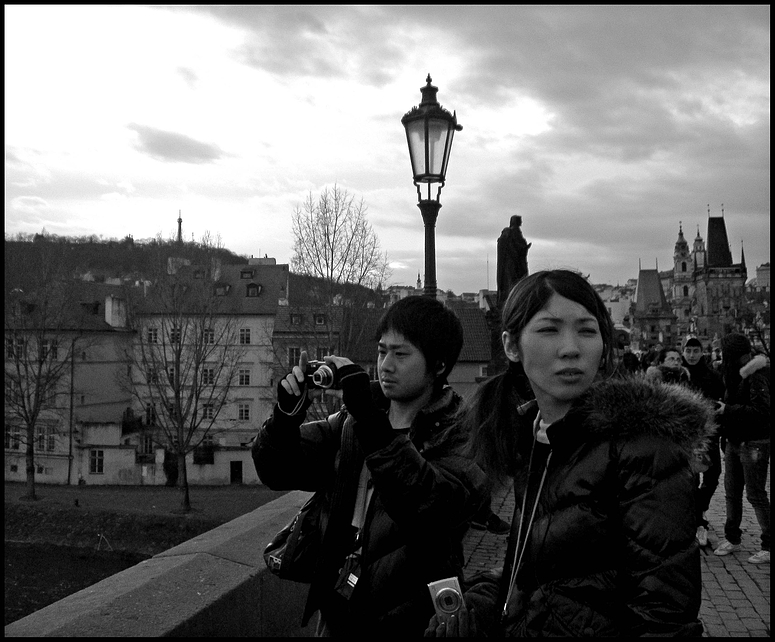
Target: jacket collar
(634, 406)
(757, 363)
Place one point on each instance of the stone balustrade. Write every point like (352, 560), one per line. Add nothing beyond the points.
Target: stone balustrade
(215, 585)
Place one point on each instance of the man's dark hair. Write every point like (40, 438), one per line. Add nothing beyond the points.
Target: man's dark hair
(693, 342)
(429, 325)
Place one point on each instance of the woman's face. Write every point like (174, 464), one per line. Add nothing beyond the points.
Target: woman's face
(560, 349)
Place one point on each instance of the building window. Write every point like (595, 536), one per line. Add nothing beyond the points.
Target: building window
(209, 336)
(244, 336)
(48, 348)
(45, 439)
(12, 437)
(294, 354)
(208, 410)
(683, 266)
(322, 352)
(243, 411)
(150, 414)
(253, 290)
(221, 290)
(174, 335)
(151, 375)
(153, 335)
(97, 462)
(171, 372)
(244, 377)
(686, 290)
(295, 319)
(208, 376)
(320, 319)
(146, 445)
(246, 274)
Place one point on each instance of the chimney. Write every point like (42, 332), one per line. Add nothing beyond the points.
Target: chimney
(115, 311)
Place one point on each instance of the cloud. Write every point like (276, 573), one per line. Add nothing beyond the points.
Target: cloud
(28, 204)
(189, 76)
(173, 147)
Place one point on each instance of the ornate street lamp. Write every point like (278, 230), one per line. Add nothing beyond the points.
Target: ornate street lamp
(429, 132)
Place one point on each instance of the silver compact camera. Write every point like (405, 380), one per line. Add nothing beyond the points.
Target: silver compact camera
(321, 375)
(447, 598)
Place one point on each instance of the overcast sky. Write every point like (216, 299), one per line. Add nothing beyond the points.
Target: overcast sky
(603, 127)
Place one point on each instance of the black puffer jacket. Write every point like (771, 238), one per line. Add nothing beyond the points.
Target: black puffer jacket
(424, 495)
(746, 416)
(612, 550)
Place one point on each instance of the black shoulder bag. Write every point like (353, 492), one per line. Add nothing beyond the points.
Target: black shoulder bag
(293, 553)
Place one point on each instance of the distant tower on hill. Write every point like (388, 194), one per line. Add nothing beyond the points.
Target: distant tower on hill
(180, 229)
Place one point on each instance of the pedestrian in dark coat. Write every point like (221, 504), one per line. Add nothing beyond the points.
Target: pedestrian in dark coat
(411, 491)
(746, 426)
(603, 536)
(709, 384)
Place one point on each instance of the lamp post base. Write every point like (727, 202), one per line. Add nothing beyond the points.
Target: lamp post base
(430, 212)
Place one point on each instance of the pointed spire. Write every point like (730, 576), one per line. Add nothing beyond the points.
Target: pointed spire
(708, 210)
(722, 210)
(742, 253)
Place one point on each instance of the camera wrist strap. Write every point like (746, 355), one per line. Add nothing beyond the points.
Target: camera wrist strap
(519, 554)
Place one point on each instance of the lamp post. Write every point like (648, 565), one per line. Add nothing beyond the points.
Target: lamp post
(429, 131)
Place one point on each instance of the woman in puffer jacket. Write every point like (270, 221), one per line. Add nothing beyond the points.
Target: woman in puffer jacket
(603, 535)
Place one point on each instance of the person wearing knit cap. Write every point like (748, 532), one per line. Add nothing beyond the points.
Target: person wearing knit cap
(707, 382)
(744, 418)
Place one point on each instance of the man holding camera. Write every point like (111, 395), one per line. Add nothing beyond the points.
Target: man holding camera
(397, 509)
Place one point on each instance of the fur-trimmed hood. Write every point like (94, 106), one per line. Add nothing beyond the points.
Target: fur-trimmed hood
(757, 363)
(635, 405)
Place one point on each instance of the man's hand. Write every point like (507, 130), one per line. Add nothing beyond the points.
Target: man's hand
(292, 393)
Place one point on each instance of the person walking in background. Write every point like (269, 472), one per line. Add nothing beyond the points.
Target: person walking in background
(397, 510)
(630, 360)
(603, 535)
(708, 383)
(745, 427)
(668, 367)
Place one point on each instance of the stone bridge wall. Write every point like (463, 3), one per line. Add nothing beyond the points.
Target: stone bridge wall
(215, 585)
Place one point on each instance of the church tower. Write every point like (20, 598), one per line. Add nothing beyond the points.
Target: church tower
(698, 251)
(683, 282)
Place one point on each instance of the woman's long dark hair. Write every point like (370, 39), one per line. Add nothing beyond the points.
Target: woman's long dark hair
(490, 417)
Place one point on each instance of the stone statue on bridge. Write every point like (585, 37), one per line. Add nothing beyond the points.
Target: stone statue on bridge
(512, 257)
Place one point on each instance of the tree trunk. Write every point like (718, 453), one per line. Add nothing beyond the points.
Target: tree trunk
(30, 464)
(185, 505)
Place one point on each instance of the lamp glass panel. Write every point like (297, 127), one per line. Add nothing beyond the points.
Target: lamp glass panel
(415, 134)
(437, 139)
(448, 147)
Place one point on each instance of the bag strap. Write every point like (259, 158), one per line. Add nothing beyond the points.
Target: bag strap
(342, 504)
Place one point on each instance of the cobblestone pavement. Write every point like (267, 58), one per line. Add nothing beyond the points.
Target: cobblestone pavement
(735, 593)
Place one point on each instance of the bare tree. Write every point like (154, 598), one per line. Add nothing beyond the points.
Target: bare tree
(339, 252)
(40, 337)
(333, 240)
(186, 356)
